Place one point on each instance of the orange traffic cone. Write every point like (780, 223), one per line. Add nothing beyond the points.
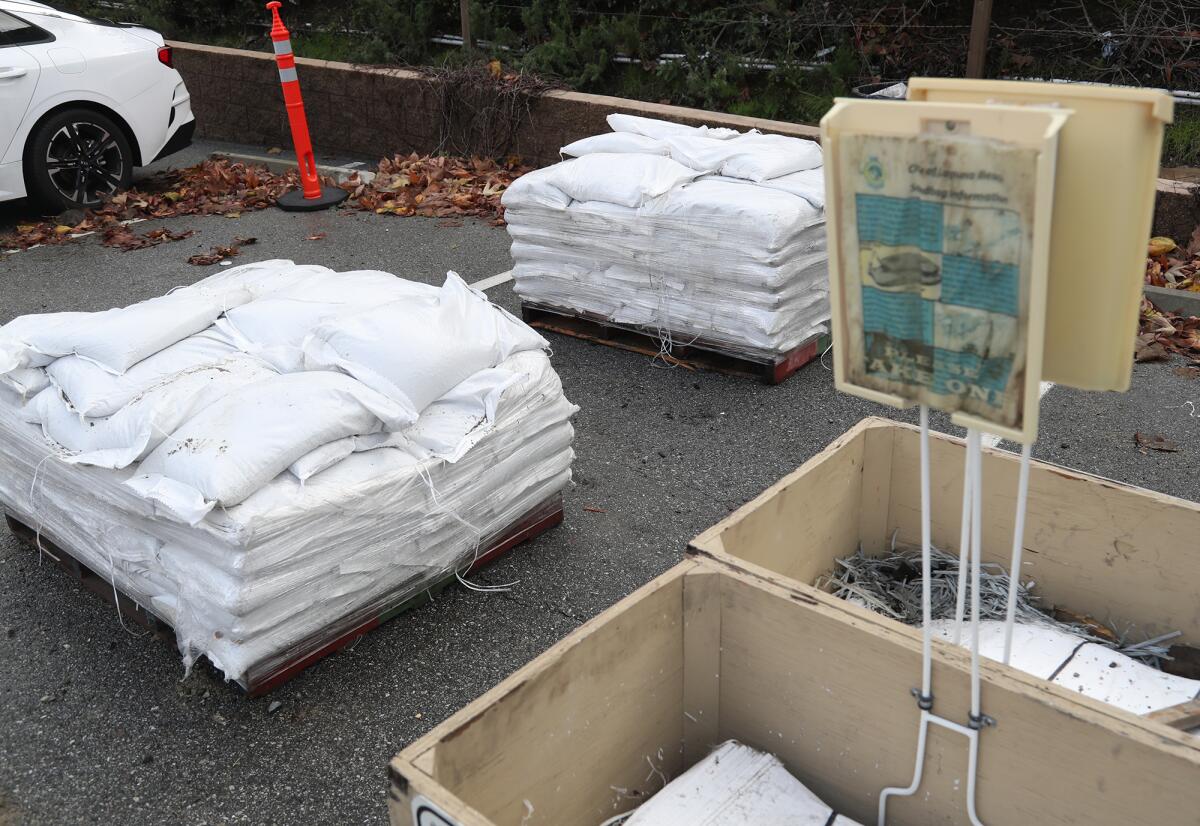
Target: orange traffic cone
(311, 196)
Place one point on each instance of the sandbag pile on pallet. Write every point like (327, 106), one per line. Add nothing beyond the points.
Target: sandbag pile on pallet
(705, 235)
(279, 450)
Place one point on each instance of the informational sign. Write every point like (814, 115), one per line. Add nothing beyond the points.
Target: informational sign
(936, 262)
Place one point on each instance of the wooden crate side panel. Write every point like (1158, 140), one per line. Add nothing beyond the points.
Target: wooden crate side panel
(573, 740)
(799, 525)
(876, 492)
(701, 664)
(828, 692)
(1123, 555)
(408, 783)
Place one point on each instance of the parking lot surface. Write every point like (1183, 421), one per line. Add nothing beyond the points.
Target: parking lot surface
(98, 725)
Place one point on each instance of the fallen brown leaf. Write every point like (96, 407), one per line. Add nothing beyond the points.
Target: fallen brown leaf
(1155, 442)
(316, 236)
(214, 256)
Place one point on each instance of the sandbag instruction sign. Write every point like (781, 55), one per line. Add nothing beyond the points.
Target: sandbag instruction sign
(939, 222)
(937, 243)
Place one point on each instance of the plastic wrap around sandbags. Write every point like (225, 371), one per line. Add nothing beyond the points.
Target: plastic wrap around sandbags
(385, 502)
(720, 261)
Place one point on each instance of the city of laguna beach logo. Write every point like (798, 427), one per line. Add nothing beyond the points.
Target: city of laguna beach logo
(872, 172)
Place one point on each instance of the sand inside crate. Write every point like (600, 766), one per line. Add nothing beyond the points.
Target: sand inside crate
(1098, 660)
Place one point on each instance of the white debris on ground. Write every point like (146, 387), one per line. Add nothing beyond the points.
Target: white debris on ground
(278, 448)
(735, 784)
(693, 233)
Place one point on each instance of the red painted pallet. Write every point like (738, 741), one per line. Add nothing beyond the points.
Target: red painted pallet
(696, 354)
(271, 673)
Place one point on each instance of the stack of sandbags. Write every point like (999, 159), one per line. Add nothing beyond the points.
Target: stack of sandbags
(705, 235)
(278, 450)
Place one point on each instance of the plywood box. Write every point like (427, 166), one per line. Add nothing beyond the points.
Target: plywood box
(709, 652)
(1123, 555)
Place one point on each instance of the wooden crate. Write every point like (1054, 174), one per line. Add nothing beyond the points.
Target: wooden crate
(709, 652)
(1093, 546)
(694, 354)
(270, 673)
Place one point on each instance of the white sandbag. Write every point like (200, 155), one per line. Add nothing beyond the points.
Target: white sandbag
(615, 143)
(749, 157)
(26, 382)
(95, 393)
(627, 180)
(735, 784)
(274, 327)
(326, 456)
(431, 347)
(17, 349)
(808, 184)
(1111, 677)
(239, 443)
(258, 279)
(533, 190)
(121, 439)
(119, 338)
(1039, 650)
(654, 128)
(1093, 670)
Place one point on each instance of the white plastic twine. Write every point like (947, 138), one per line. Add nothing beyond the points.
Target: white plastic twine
(427, 478)
(1018, 545)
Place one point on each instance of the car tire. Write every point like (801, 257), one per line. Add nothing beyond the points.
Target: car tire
(76, 158)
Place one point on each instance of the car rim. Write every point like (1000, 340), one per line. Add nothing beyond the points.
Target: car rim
(84, 162)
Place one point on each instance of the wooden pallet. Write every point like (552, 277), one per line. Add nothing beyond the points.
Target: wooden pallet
(264, 676)
(697, 354)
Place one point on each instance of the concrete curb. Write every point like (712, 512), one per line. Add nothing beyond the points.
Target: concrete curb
(1183, 302)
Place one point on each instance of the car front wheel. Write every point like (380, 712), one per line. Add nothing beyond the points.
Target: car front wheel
(76, 159)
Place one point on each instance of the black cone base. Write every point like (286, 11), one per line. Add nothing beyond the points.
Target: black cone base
(295, 201)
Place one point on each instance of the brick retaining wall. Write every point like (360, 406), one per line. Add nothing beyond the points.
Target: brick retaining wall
(371, 112)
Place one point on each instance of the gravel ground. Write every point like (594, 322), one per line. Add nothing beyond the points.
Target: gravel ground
(97, 725)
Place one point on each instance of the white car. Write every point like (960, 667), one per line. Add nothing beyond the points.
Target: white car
(82, 102)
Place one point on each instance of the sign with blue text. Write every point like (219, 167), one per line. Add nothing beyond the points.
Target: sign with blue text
(937, 241)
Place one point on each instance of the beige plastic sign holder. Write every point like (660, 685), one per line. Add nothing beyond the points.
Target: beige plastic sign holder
(939, 221)
(1108, 156)
(939, 234)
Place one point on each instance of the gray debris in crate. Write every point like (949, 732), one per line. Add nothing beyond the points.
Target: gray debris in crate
(891, 585)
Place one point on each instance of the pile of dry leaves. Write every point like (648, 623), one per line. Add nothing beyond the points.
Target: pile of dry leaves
(442, 187)
(1160, 332)
(445, 187)
(1169, 265)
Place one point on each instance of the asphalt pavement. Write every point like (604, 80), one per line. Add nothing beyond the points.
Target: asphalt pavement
(97, 724)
